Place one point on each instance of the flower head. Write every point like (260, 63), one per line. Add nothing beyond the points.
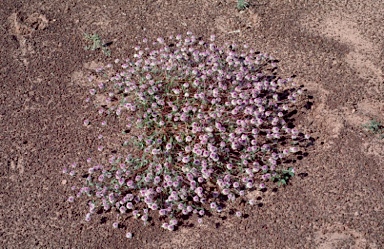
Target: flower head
(129, 235)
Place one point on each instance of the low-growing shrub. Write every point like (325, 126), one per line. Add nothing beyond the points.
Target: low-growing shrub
(242, 4)
(375, 127)
(206, 125)
(96, 44)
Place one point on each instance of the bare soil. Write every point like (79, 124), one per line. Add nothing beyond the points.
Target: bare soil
(334, 48)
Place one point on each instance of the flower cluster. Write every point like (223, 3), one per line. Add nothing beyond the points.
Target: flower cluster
(211, 125)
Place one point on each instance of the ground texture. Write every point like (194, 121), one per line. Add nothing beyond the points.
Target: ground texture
(334, 48)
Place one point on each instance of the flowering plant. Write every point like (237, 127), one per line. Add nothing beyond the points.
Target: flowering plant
(211, 125)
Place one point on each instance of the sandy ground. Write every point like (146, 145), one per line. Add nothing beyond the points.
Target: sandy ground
(333, 48)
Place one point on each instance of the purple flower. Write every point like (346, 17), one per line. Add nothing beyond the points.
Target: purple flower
(225, 191)
(189, 176)
(130, 183)
(171, 227)
(164, 225)
(188, 149)
(135, 213)
(128, 235)
(168, 146)
(229, 166)
(213, 205)
(208, 129)
(189, 209)
(156, 180)
(144, 217)
(88, 217)
(106, 206)
(122, 209)
(199, 190)
(173, 222)
(111, 198)
(185, 159)
(293, 149)
(206, 153)
(138, 178)
(180, 206)
(175, 184)
(129, 205)
(167, 178)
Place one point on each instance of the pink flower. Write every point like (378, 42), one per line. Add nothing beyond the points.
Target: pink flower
(294, 149)
(185, 159)
(171, 227)
(225, 191)
(168, 146)
(173, 222)
(129, 235)
(213, 205)
(88, 217)
(129, 205)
